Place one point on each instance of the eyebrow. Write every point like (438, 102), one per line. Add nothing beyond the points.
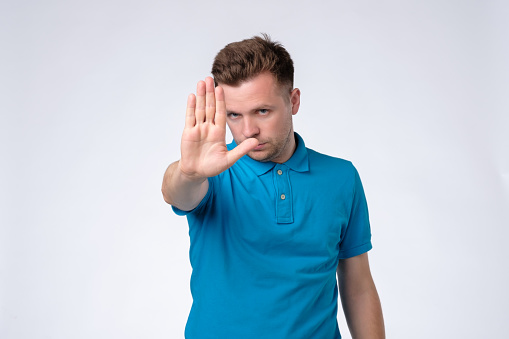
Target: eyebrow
(253, 110)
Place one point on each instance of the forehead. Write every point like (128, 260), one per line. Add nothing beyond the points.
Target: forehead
(260, 90)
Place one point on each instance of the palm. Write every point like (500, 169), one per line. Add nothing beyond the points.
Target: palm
(204, 150)
(203, 147)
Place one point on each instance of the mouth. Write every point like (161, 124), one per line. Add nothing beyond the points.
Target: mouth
(260, 146)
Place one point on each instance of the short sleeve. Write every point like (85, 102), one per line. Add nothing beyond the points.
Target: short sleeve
(356, 239)
(202, 203)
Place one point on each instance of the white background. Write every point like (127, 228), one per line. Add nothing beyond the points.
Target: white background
(93, 94)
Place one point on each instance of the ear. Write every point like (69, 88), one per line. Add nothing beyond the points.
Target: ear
(295, 100)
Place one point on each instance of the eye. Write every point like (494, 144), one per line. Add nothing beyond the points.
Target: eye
(263, 111)
(233, 115)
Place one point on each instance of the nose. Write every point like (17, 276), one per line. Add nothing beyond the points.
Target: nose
(250, 128)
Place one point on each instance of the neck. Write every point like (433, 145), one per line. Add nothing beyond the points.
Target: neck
(291, 146)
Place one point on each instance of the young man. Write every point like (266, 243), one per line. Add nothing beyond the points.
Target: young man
(271, 222)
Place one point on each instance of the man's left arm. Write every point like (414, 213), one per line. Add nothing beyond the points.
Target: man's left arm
(359, 298)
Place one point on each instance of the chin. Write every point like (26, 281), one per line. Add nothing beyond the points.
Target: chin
(259, 156)
(263, 156)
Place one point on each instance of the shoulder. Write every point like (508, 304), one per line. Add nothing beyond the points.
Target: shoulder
(330, 164)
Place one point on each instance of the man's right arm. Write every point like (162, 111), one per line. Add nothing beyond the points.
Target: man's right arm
(203, 148)
(181, 191)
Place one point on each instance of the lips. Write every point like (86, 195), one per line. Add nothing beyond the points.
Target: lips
(260, 146)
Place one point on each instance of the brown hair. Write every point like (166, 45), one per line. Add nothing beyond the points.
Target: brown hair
(241, 61)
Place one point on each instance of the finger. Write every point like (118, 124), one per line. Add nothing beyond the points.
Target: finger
(191, 105)
(220, 118)
(210, 101)
(241, 150)
(200, 102)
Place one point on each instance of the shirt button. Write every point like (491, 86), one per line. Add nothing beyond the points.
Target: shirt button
(279, 172)
(283, 197)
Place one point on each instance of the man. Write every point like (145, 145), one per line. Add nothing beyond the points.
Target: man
(270, 221)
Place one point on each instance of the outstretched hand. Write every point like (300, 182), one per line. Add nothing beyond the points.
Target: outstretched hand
(203, 147)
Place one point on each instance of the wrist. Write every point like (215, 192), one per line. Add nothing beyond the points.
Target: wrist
(189, 177)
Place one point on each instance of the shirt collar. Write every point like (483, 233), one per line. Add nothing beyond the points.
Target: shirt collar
(298, 162)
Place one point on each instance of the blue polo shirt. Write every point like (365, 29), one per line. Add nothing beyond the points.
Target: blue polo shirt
(265, 244)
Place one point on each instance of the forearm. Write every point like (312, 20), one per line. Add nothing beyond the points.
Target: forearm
(181, 191)
(359, 298)
(363, 313)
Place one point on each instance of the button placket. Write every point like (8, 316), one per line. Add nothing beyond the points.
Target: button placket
(284, 203)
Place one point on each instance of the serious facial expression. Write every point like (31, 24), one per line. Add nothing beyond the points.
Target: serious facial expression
(262, 109)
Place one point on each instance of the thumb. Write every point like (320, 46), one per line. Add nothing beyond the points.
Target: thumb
(242, 149)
